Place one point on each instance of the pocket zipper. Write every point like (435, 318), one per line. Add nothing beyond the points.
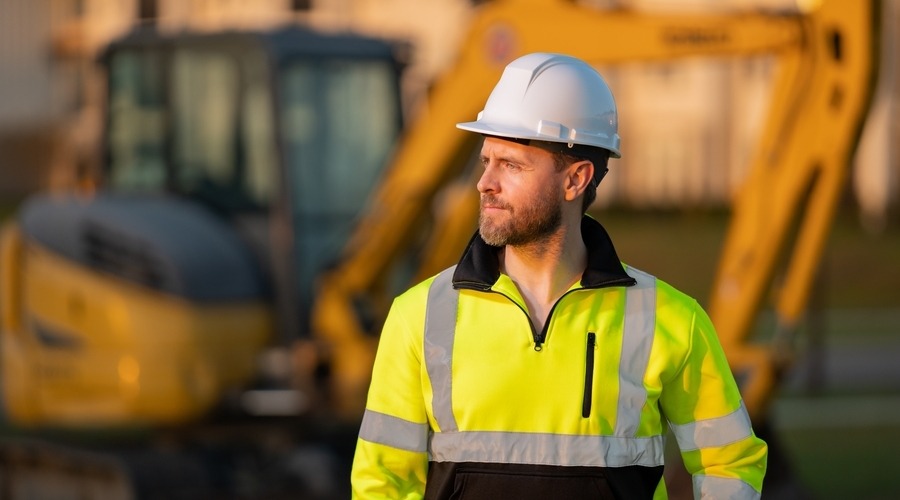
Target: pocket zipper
(588, 375)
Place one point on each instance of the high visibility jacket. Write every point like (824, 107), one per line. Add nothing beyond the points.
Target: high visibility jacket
(468, 401)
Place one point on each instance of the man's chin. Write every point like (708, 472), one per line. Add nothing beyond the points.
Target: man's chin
(491, 236)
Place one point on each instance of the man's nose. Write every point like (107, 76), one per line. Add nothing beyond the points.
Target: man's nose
(487, 183)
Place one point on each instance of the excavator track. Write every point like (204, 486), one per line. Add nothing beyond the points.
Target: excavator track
(236, 461)
(32, 470)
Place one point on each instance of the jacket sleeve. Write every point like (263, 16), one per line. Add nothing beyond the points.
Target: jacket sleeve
(709, 420)
(391, 458)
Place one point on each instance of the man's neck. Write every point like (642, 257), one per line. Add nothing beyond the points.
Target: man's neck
(543, 271)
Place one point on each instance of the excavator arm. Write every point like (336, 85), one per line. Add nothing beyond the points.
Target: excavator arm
(784, 209)
(820, 100)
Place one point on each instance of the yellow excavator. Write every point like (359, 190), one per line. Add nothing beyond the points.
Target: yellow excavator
(244, 243)
(825, 69)
(169, 296)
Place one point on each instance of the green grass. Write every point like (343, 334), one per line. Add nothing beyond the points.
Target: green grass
(841, 463)
(679, 248)
(859, 270)
(7, 209)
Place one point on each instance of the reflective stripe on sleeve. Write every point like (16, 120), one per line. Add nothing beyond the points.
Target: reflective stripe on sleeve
(637, 340)
(440, 332)
(392, 431)
(546, 449)
(714, 431)
(723, 487)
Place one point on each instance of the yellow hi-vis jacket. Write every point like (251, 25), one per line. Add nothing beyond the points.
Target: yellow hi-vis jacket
(468, 401)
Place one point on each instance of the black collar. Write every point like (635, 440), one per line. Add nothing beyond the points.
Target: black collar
(479, 267)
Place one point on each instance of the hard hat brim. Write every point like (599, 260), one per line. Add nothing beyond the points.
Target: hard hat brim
(481, 127)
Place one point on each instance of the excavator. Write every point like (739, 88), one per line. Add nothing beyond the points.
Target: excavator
(235, 165)
(826, 65)
(246, 239)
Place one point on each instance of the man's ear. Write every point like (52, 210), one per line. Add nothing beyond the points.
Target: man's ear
(578, 178)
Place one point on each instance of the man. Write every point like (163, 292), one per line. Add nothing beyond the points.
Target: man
(539, 366)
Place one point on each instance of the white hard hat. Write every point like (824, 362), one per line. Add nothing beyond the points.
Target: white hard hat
(552, 98)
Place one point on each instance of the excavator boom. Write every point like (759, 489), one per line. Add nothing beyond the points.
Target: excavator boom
(825, 74)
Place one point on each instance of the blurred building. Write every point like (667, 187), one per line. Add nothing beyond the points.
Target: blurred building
(688, 127)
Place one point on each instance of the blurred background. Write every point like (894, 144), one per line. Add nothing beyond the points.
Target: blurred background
(208, 204)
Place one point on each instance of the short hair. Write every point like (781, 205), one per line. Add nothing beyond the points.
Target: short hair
(565, 154)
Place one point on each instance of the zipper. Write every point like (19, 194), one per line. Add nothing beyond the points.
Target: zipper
(588, 375)
(540, 338)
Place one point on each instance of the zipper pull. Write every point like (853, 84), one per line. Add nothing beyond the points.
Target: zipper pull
(539, 337)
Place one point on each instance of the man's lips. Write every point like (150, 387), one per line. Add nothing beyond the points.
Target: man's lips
(492, 204)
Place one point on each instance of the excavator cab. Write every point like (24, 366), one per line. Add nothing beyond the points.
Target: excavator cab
(234, 168)
(284, 134)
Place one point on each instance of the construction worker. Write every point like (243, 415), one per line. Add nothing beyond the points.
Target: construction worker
(540, 366)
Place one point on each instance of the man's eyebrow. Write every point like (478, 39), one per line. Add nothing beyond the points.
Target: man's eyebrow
(505, 158)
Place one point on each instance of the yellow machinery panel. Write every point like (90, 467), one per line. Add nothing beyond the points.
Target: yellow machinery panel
(94, 350)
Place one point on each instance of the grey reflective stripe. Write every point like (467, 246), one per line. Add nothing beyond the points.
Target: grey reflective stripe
(714, 487)
(393, 431)
(637, 339)
(714, 431)
(546, 449)
(440, 332)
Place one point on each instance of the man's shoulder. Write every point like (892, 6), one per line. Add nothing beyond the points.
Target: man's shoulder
(418, 293)
(666, 293)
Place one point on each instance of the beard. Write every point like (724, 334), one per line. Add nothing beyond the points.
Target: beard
(525, 225)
